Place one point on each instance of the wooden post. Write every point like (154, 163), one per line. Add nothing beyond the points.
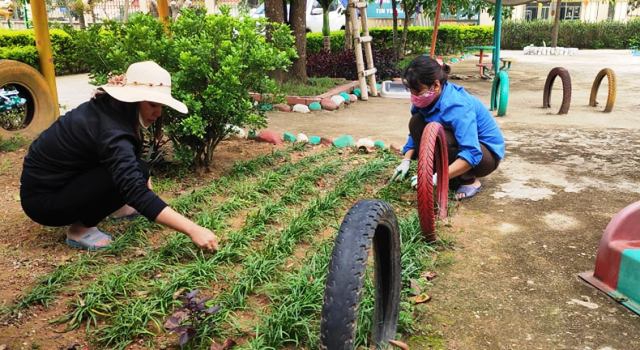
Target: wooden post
(357, 46)
(163, 12)
(368, 52)
(43, 45)
(436, 24)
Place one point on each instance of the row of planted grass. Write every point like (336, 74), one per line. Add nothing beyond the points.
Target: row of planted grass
(131, 318)
(296, 301)
(99, 297)
(260, 267)
(48, 287)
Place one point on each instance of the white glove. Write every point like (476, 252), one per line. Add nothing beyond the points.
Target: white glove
(414, 180)
(401, 170)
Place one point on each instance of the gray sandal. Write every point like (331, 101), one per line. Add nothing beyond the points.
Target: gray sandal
(89, 240)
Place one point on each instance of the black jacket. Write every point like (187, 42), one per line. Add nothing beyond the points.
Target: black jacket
(97, 133)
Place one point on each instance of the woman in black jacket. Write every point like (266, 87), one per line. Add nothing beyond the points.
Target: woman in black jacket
(87, 164)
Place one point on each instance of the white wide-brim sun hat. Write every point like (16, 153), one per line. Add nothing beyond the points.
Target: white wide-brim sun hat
(145, 81)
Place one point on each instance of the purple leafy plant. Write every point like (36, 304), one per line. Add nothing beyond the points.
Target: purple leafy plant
(185, 320)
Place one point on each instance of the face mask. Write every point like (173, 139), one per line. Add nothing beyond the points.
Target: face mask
(423, 100)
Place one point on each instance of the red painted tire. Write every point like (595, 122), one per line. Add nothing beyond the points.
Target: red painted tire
(432, 158)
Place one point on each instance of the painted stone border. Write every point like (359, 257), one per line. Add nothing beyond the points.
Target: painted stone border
(306, 100)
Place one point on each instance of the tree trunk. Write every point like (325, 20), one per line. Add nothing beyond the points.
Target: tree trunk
(405, 30)
(125, 15)
(556, 25)
(348, 36)
(274, 12)
(298, 19)
(326, 30)
(396, 49)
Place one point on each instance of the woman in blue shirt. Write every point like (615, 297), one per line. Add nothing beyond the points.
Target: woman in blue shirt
(475, 142)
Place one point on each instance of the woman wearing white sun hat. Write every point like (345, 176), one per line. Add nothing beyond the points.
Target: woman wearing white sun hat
(87, 164)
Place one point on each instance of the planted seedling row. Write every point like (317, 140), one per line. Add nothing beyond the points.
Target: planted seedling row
(132, 318)
(99, 296)
(260, 267)
(49, 285)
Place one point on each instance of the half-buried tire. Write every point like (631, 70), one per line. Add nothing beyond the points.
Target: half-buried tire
(611, 95)
(369, 223)
(31, 86)
(566, 89)
(432, 159)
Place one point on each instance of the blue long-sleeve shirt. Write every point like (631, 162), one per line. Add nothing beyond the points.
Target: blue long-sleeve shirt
(469, 120)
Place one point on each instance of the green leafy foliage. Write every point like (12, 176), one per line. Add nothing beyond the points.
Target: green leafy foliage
(451, 38)
(215, 61)
(20, 45)
(609, 34)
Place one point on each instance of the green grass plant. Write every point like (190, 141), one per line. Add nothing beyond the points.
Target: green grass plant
(98, 298)
(259, 267)
(46, 289)
(132, 318)
(314, 86)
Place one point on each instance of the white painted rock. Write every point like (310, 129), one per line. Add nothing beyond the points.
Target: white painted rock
(338, 100)
(300, 108)
(235, 131)
(365, 142)
(302, 138)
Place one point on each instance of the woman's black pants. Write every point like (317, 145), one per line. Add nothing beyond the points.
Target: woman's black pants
(87, 199)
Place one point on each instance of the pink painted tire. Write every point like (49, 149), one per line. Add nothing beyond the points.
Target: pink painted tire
(432, 158)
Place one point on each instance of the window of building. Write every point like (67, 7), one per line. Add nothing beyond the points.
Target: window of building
(534, 11)
(570, 10)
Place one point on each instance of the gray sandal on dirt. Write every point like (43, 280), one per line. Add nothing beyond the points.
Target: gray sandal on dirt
(89, 240)
(468, 191)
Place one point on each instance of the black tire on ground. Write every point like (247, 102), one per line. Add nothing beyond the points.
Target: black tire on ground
(566, 89)
(611, 95)
(367, 222)
(33, 87)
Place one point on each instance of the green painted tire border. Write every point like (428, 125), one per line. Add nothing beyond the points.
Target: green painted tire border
(500, 93)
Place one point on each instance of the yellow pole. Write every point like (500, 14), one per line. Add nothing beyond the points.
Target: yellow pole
(163, 12)
(43, 44)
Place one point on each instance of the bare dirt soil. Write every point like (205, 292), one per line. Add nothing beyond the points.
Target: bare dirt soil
(519, 245)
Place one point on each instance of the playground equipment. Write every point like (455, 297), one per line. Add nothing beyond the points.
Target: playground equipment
(566, 89)
(368, 223)
(368, 74)
(611, 95)
(617, 270)
(25, 93)
(432, 159)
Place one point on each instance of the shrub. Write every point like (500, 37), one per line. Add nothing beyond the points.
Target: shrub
(608, 34)
(19, 45)
(451, 38)
(215, 60)
(341, 64)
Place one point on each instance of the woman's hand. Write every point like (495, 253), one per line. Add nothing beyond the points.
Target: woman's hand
(204, 238)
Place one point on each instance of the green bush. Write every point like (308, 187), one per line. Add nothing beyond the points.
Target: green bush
(215, 60)
(601, 35)
(25, 54)
(19, 45)
(451, 38)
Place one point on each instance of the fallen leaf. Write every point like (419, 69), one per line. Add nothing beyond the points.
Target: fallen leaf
(399, 344)
(228, 344)
(415, 287)
(429, 275)
(422, 298)
(178, 293)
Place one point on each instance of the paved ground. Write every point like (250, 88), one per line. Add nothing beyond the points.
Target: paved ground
(536, 225)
